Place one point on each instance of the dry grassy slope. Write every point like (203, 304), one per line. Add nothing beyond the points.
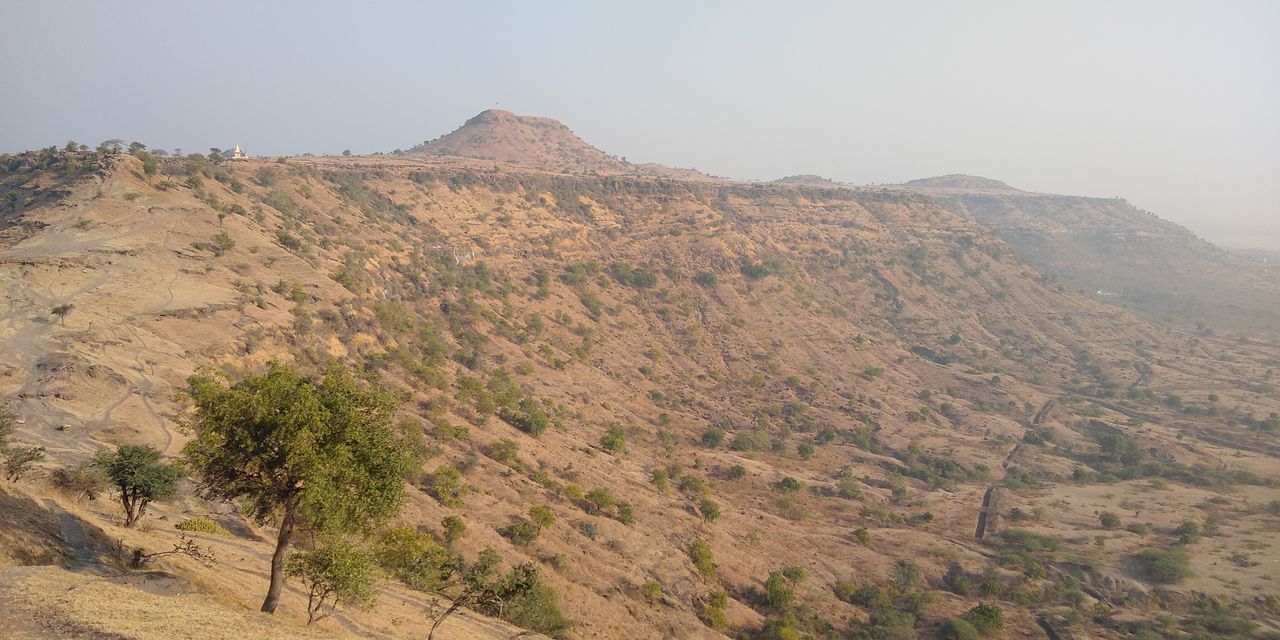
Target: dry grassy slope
(1146, 263)
(858, 279)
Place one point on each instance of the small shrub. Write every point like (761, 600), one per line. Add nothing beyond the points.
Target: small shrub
(454, 528)
(85, 481)
(625, 513)
(959, 629)
(986, 619)
(18, 460)
(712, 613)
(446, 486)
(1165, 566)
(521, 533)
(709, 510)
(202, 524)
(505, 451)
(651, 590)
(1109, 520)
(615, 439)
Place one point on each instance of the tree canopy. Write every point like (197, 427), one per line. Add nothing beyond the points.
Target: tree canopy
(136, 470)
(318, 453)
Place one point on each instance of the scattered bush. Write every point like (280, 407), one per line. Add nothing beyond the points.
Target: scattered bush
(454, 528)
(615, 439)
(712, 613)
(1109, 520)
(986, 619)
(703, 561)
(18, 460)
(959, 629)
(202, 524)
(445, 485)
(505, 451)
(80, 481)
(709, 510)
(1165, 566)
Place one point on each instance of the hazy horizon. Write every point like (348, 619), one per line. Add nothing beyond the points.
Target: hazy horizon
(1168, 105)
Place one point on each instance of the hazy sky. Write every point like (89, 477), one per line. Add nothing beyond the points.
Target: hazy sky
(1173, 105)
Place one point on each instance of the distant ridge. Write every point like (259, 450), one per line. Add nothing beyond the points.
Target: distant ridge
(528, 141)
(959, 181)
(808, 180)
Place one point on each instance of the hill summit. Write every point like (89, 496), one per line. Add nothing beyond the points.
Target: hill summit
(959, 181)
(529, 141)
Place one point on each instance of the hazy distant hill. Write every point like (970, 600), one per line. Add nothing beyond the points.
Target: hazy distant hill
(1115, 251)
(960, 182)
(528, 141)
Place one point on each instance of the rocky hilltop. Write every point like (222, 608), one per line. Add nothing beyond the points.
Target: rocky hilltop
(527, 141)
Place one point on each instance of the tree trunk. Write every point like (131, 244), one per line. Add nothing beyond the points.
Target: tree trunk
(439, 621)
(277, 562)
(130, 515)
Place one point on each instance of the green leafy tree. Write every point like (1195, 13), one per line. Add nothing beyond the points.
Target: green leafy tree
(779, 593)
(703, 561)
(709, 509)
(542, 516)
(412, 557)
(141, 477)
(479, 586)
(334, 573)
(447, 487)
(319, 454)
(615, 439)
(600, 500)
(454, 528)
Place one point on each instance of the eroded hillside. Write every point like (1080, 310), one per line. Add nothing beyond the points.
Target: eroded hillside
(706, 382)
(1118, 253)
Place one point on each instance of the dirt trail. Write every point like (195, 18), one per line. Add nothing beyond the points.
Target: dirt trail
(1043, 413)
